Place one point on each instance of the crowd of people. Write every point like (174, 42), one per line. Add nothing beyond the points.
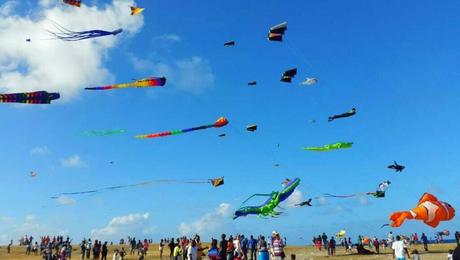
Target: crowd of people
(233, 247)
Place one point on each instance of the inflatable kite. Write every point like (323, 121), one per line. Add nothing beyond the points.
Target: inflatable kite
(429, 209)
(396, 167)
(65, 34)
(288, 75)
(214, 182)
(309, 81)
(341, 233)
(38, 97)
(230, 43)
(329, 147)
(219, 123)
(136, 10)
(352, 112)
(276, 32)
(141, 83)
(268, 207)
(251, 128)
(76, 3)
(252, 83)
(304, 203)
(104, 132)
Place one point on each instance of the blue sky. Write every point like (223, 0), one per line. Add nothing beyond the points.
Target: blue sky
(396, 62)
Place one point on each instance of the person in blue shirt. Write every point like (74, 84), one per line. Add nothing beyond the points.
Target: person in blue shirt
(244, 246)
(252, 243)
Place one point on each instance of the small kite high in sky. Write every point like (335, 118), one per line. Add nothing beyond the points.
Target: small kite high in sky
(379, 193)
(309, 81)
(76, 3)
(276, 32)
(104, 132)
(251, 128)
(222, 121)
(214, 182)
(38, 97)
(352, 112)
(33, 174)
(141, 83)
(288, 75)
(252, 83)
(395, 166)
(329, 147)
(268, 207)
(304, 203)
(65, 34)
(230, 43)
(136, 10)
(429, 209)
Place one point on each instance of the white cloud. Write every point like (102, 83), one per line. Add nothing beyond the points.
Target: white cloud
(72, 162)
(193, 75)
(40, 150)
(209, 222)
(134, 224)
(64, 200)
(295, 198)
(170, 37)
(54, 65)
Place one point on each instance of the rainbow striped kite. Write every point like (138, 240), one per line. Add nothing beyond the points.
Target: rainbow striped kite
(219, 123)
(37, 97)
(141, 83)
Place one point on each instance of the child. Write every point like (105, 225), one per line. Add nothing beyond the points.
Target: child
(115, 254)
(450, 255)
(415, 255)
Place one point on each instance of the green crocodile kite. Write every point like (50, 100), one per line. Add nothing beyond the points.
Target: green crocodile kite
(329, 147)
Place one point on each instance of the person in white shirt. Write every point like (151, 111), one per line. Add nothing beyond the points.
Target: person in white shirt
(192, 252)
(399, 249)
(115, 255)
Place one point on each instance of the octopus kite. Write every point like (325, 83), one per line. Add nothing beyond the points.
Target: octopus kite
(268, 207)
(65, 34)
(429, 209)
(329, 147)
(141, 83)
(38, 97)
(219, 123)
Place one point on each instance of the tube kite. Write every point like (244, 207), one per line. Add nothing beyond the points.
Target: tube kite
(329, 147)
(38, 97)
(429, 209)
(136, 10)
(214, 182)
(65, 34)
(276, 32)
(76, 3)
(222, 121)
(352, 112)
(395, 166)
(288, 75)
(141, 83)
(268, 207)
(104, 132)
(379, 193)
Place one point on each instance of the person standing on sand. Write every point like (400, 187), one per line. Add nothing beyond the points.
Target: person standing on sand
(160, 248)
(377, 245)
(104, 251)
(171, 246)
(230, 248)
(192, 251)
(425, 241)
(331, 247)
(223, 247)
(324, 240)
(390, 239)
(277, 250)
(252, 243)
(133, 246)
(399, 249)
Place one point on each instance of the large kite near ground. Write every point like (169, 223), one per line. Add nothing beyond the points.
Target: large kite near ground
(429, 209)
(268, 207)
(37, 97)
(141, 83)
(219, 123)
